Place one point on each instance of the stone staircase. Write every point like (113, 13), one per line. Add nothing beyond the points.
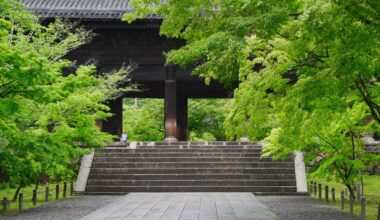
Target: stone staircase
(188, 167)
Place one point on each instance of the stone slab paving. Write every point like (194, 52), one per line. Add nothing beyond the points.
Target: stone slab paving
(185, 206)
(168, 206)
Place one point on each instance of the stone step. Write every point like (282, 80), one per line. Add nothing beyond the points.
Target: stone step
(199, 171)
(184, 143)
(175, 154)
(186, 159)
(192, 164)
(177, 150)
(191, 176)
(226, 188)
(290, 193)
(189, 167)
(187, 147)
(199, 143)
(241, 182)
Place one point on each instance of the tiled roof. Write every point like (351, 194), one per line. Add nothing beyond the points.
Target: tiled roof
(103, 9)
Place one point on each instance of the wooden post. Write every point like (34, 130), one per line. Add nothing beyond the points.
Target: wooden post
(352, 204)
(20, 202)
(359, 193)
(362, 213)
(34, 197)
(57, 192)
(170, 104)
(342, 200)
(320, 191)
(311, 187)
(315, 189)
(64, 189)
(47, 194)
(327, 193)
(333, 195)
(71, 188)
(5, 205)
(378, 211)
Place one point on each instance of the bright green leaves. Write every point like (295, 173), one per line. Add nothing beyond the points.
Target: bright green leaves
(215, 57)
(58, 38)
(142, 8)
(46, 119)
(308, 71)
(143, 120)
(215, 31)
(205, 119)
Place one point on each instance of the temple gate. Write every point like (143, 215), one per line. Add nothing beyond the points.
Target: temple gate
(118, 43)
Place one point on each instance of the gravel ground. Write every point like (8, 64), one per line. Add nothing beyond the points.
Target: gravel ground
(67, 209)
(303, 207)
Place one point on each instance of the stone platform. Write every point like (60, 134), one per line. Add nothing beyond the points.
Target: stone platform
(190, 206)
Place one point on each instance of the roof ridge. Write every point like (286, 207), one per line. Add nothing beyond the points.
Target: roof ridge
(108, 9)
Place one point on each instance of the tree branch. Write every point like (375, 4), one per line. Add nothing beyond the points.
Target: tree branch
(373, 107)
(7, 83)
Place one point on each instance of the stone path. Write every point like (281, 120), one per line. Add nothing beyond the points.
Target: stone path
(185, 206)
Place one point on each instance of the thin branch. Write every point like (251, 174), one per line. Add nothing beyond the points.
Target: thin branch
(7, 83)
(330, 144)
(374, 109)
(353, 144)
(7, 92)
(11, 34)
(338, 169)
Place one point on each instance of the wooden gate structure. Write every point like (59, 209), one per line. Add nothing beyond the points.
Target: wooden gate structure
(118, 43)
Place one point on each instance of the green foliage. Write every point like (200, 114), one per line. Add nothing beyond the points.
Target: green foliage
(143, 119)
(46, 119)
(205, 119)
(308, 71)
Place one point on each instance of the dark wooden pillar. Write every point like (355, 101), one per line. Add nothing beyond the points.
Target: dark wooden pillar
(114, 124)
(170, 104)
(182, 131)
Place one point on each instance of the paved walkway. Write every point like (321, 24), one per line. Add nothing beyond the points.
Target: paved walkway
(185, 206)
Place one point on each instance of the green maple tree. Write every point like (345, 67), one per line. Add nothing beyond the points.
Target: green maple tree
(47, 120)
(308, 71)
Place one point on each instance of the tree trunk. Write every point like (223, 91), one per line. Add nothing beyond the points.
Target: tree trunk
(351, 189)
(362, 182)
(16, 193)
(37, 184)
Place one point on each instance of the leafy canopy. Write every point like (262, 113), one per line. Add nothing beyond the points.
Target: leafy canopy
(46, 119)
(308, 71)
